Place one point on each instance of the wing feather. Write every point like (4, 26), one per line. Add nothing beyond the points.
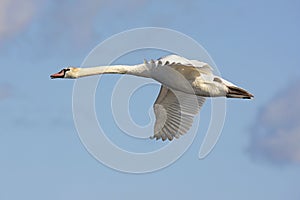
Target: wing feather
(175, 60)
(174, 112)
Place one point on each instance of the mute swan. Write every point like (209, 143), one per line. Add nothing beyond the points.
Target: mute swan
(182, 80)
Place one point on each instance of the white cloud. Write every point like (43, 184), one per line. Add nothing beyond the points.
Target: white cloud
(275, 135)
(15, 15)
(5, 91)
(44, 28)
(77, 20)
(74, 20)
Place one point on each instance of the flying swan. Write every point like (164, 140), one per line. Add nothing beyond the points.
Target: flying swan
(185, 85)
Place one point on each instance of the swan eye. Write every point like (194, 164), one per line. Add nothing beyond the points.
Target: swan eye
(67, 69)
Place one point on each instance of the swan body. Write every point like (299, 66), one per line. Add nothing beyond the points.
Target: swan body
(185, 84)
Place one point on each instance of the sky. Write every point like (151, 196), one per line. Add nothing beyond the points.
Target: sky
(254, 44)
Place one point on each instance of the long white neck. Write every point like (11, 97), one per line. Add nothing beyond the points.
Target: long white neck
(137, 70)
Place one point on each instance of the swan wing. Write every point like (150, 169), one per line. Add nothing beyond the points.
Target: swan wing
(172, 60)
(174, 112)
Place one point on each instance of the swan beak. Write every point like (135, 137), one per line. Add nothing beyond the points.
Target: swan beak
(60, 74)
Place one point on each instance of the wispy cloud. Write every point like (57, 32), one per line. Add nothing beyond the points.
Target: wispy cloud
(57, 26)
(15, 16)
(71, 20)
(275, 136)
(79, 21)
(38, 29)
(5, 91)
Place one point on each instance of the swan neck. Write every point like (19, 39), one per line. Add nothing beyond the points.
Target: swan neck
(137, 70)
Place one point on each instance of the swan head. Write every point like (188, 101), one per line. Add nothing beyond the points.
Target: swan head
(69, 72)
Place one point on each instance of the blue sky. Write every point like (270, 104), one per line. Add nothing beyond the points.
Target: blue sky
(254, 44)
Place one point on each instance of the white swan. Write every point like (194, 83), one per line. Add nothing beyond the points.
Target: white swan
(185, 84)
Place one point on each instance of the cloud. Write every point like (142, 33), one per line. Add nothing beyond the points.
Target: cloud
(275, 136)
(43, 28)
(5, 91)
(81, 22)
(71, 20)
(14, 16)
(40, 29)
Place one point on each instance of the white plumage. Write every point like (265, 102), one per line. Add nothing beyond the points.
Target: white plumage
(185, 85)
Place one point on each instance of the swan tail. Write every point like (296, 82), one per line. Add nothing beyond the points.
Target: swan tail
(236, 92)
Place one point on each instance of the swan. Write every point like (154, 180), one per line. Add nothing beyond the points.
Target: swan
(185, 84)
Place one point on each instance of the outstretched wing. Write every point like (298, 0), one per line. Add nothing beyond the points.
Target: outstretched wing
(175, 60)
(174, 112)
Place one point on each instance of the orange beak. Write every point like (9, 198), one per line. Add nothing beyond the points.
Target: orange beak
(60, 74)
